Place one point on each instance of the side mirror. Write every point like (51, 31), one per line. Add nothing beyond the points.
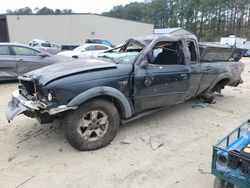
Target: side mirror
(43, 55)
(150, 57)
(144, 64)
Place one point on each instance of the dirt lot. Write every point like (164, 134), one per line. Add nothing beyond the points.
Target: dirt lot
(33, 155)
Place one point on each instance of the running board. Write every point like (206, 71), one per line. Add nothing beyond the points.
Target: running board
(142, 114)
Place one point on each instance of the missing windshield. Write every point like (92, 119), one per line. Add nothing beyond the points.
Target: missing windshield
(126, 53)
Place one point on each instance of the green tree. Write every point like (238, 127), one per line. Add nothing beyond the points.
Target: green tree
(25, 10)
(45, 10)
(208, 19)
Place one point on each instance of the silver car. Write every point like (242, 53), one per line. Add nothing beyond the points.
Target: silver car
(16, 59)
(45, 46)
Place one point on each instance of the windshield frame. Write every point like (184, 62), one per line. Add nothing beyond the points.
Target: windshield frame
(123, 49)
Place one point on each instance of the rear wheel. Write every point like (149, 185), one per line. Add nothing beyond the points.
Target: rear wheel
(93, 125)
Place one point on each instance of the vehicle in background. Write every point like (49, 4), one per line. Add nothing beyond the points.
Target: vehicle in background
(237, 41)
(85, 50)
(247, 54)
(233, 40)
(17, 59)
(68, 47)
(45, 46)
(99, 41)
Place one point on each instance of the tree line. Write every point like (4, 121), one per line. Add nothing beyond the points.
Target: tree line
(43, 10)
(208, 19)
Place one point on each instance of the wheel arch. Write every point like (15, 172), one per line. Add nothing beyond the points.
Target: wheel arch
(222, 80)
(112, 94)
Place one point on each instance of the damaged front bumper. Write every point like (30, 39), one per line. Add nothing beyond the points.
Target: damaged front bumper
(19, 104)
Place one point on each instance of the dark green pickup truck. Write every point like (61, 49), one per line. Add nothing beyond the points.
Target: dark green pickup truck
(94, 96)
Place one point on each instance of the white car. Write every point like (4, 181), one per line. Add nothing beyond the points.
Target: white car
(85, 50)
(45, 46)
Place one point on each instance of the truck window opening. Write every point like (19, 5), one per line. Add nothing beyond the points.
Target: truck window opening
(167, 53)
(192, 51)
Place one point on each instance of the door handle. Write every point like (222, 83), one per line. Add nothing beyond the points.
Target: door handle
(20, 60)
(148, 79)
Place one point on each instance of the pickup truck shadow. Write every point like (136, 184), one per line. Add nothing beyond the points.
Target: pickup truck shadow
(161, 114)
(50, 135)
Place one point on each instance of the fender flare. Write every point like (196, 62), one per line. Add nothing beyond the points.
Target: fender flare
(103, 91)
(217, 80)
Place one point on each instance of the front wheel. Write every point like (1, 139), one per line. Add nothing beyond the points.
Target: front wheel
(93, 125)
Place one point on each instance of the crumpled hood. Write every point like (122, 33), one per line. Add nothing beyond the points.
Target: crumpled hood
(49, 73)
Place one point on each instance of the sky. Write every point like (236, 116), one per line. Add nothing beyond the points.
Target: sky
(78, 6)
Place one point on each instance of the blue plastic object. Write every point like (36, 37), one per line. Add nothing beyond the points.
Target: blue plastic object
(247, 54)
(241, 142)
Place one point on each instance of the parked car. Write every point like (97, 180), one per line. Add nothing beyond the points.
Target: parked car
(93, 96)
(247, 54)
(45, 46)
(99, 41)
(17, 59)
(85, 50)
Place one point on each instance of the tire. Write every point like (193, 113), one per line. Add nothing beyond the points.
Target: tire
(92, 125)
(219, 183)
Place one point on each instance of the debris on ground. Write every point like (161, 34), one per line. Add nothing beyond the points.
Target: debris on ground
(218, 95)
(21, 184)
(236, 89)
(210, 98)
(150, 140)
(199, 105)
(203, 172)
(145, 137)
(11, 158)
(127, 140)
(216, 125)
(155, 143)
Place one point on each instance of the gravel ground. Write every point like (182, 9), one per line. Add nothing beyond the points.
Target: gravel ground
(34, 155)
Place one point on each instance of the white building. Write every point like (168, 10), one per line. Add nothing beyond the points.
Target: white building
(70, 29)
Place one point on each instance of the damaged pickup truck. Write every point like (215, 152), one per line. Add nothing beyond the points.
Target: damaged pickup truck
(94, 96)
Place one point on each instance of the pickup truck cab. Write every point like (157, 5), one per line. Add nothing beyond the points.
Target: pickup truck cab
(94, 96)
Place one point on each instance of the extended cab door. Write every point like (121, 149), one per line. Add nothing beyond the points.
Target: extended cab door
(196, 68)
(214, 61)
(162, 78)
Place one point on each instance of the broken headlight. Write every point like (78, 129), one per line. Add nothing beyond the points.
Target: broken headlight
(50, 96)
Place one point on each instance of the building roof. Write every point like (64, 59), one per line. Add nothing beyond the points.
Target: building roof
(2, 15)
(174, 30)
(166, 30)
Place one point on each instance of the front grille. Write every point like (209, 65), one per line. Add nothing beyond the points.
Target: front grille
(30, 90)
(29, 86)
